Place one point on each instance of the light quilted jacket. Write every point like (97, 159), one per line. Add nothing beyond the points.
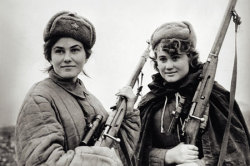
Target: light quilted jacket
(52, 120)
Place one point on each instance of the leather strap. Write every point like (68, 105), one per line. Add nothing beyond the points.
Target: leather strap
(223, 151)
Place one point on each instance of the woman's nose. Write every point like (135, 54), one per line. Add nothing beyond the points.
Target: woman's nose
(169, 64)
(67, 57)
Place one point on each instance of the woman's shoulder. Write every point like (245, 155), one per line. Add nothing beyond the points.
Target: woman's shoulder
(219, 91)
(92, 100)
(95, 102)
(42, 85)
(42, 88)
(37, 97)
(146, 99)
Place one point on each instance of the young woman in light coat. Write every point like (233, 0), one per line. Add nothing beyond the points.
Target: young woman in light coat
(57, 112)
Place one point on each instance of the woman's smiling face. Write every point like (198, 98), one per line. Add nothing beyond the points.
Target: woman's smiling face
(172, 67)
(68, 57)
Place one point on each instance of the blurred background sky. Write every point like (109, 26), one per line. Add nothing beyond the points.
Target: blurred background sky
(122, 27)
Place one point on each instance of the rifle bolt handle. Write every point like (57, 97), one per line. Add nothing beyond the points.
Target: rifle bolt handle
(195, 117)
(113, 138)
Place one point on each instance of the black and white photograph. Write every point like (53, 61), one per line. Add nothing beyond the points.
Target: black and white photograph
(124, 83)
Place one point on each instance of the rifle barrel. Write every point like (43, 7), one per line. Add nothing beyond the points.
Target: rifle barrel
(202, 94)
(114, 121)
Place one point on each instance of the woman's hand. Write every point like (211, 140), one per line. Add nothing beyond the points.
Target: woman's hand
(127, 92)
(182, 153)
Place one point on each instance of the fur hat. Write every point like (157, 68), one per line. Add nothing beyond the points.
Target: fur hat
(179, 30)
(67, 24)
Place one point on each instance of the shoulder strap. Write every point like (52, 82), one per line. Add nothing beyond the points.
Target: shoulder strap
(223, 151)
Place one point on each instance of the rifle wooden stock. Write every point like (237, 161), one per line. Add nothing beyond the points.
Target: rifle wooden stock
(202, 94)
(115, 119)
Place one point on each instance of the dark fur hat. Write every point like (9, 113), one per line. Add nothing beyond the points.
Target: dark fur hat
(179, 30)
(68, 24)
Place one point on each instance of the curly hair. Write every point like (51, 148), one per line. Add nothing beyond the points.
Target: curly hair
(177, 47)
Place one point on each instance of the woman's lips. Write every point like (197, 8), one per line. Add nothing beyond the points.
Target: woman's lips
(68, 66)
(170, 72)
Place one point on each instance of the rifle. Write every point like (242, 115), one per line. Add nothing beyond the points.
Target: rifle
(201, 98)
(93, 126)
(114, 121)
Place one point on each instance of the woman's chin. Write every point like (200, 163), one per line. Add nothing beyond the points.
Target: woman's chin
(171, 79)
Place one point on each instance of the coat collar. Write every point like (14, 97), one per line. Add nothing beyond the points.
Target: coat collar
(75, 88)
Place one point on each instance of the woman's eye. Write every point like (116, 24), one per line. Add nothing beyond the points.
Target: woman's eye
(59, 51)
(75, 50)
(163, 59)
(175, 58)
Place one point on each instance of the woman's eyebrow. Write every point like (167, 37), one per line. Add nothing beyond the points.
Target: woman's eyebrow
(75, 46)
(58, 47)
(162, 56)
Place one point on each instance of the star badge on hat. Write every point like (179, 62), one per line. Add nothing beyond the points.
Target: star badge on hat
(75, 26)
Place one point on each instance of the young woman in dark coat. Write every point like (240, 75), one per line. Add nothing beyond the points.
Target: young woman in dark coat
(178, 70)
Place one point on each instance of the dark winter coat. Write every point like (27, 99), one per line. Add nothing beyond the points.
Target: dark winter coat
(153, 145)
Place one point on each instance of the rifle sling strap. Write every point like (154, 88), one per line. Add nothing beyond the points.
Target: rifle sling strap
(223, 151)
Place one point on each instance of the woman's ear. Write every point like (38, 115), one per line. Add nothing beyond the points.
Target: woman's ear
(86, 60)
(51, 62)
(155, 62)
(155, 65)
(190, 59)
(157, 68)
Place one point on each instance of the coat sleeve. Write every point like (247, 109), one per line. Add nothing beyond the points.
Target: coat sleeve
(157, 156)
(39, 135)
(40, 140)
(130, 131)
